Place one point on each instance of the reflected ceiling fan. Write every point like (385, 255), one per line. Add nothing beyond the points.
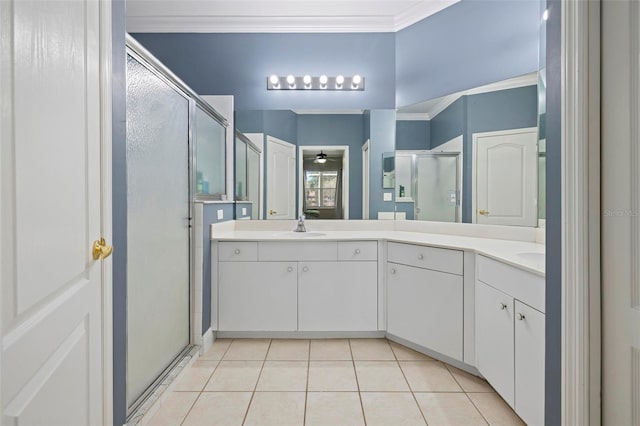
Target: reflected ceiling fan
(322, 158)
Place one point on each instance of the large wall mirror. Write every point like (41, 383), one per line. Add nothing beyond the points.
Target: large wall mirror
(473, 156)
(321, 164)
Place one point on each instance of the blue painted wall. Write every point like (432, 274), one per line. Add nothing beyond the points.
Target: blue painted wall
(336, 129)
(209, 216)
(412, 134)
(238, 210)
(467, 45)
(238, 64)
(485, 112)
(382, 134)
(119, 209)
(553, 276)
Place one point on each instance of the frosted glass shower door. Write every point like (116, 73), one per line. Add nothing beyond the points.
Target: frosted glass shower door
(437, 187)
(157, 227)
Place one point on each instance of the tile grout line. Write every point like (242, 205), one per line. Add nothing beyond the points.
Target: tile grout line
(355, 372)
(413, 394)
(253, 393)
(205, 385)
(477, 408)
(306, 393)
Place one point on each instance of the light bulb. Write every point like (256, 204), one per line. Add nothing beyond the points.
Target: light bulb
(339, 81)
(323, 81)
(306, 79)
(545, 14)
(291, 79)
(355, 81)
(321, 160)
(274, 79)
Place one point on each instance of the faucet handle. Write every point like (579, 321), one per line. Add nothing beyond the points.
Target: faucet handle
(301, 217)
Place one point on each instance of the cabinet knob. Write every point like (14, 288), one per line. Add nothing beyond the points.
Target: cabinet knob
(237, 251)
(289, 269)
(305, 269)
(503, 306)
(420, 256)
(357, 251)
(520, 317)
(393, 271)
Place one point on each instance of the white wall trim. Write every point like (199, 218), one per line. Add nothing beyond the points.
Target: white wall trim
(419, 12)
(106, 73)
(258, 140)
(580, 209)
(207, 340)
(366, 158)
(345, 173)
(226, 20)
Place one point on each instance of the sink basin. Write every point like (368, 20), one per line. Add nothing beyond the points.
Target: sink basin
(291, 234)
(534, 257)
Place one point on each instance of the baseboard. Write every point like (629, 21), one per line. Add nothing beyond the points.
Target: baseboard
(433, 354)
(207, 341)
(299, 334)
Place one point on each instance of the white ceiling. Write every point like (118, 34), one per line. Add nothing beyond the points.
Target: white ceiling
(219, 16)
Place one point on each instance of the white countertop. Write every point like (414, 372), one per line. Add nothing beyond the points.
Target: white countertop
(506, 251)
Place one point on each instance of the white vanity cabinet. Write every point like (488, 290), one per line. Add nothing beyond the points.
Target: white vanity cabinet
(425, 297)
(510, 337)
(258, 296)
(298, 286)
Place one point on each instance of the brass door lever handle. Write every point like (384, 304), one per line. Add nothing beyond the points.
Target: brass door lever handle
(101, 250)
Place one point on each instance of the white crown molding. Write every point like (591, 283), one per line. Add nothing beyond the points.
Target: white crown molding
(420, 11)
(432, 111)
(328, 111)
(412, 116)
(262, 24)
(530, 79)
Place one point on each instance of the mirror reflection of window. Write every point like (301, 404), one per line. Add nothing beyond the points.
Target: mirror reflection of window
(320, 188)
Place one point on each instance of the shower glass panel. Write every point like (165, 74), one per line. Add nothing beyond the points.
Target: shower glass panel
(157, 227)
(241, 169)
(436, 187)
(210, 156)
(253, 181)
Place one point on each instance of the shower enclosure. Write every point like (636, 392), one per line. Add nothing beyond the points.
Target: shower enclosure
(161, 119)
(432, 182)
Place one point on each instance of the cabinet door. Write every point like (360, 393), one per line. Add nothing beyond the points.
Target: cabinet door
(338, 296)
(529, 364)
(425, 307)
(258, 296)
(494, 339)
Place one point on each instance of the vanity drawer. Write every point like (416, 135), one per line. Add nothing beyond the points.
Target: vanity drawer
(241, 251)
(357, 250)
(522, 285)
(437, 259)
(297, 250)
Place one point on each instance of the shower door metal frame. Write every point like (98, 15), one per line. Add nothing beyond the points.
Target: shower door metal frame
(146, 59)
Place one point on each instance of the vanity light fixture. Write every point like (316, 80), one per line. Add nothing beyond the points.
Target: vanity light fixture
(308, 82)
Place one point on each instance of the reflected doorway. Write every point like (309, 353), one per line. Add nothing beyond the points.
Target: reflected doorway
(324, 182)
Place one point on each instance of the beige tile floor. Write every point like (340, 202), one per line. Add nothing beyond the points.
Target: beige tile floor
(326, 382)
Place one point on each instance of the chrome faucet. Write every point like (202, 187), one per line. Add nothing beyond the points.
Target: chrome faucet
(300, 227)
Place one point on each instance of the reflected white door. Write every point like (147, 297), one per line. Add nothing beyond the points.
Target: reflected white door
(281, 179)
(506, 177)
(51, 362)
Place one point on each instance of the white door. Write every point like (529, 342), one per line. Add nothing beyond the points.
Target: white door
(53, 371)
(506, 177)
(620, 194)
(365, 180)
(281, 179)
